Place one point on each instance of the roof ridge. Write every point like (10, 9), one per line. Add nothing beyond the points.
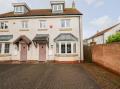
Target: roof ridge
(105, 30)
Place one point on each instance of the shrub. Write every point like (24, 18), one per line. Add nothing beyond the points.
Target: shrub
(114, 38)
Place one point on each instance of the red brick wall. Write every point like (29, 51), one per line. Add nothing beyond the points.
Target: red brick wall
(107, 55)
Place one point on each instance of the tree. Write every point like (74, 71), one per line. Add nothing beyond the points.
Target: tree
(114, 38)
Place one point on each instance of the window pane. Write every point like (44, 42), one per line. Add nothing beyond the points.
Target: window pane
(24, 24)
(62, 48)
(68, 48)
(0, 48)
(67, 23)
(62, 23)
(59, 7)
(3, 25)
(7, 46)
(57, 47)
(74, 48)
(43, 24)
(55, 7)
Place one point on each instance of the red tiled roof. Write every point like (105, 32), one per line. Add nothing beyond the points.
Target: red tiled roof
(102, 32)
(42, 12)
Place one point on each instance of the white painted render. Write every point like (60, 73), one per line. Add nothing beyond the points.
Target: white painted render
(15, 29)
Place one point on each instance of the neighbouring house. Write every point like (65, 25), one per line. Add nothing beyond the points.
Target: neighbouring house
(101, 37)
(41, 34)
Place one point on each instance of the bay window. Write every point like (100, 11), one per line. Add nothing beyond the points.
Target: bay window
(65, 47)
(74, 48)
(69, 48)
(57, 47)
(7, 48)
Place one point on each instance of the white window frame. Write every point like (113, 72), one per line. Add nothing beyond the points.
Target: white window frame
(18, 9)
(72, 47)
(65, 23)
(7, 50)
(43, 24)
(3, 49)
(4, 25)
(57, 7)
(24, 24)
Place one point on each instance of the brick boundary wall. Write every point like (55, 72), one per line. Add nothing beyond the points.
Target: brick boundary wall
(107, 55)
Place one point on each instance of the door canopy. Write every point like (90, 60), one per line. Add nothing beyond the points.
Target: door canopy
(23, 38)
(41, 38)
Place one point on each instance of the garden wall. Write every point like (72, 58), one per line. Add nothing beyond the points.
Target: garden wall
(107, 55)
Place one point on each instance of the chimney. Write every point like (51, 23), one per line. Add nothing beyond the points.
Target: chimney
(73, 4)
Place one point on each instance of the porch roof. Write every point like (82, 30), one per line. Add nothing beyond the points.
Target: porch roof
(24, 38)
(41, 38)
(6, 37)
(66, 37)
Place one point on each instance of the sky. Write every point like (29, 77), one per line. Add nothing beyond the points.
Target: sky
(97, 14)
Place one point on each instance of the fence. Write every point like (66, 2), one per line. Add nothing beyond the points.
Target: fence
(87, 54)
(107, 55)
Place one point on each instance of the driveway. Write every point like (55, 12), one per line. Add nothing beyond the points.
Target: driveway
(46, 76)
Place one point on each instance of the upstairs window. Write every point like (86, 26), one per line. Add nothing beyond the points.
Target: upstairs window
(7, 48)
(24, 24)
(3, 25)
(42, 24)
(65, 23)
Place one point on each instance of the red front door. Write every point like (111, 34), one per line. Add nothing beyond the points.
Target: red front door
(23, 53)
(42, 52)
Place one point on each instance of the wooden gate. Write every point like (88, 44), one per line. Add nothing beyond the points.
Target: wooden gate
(87, 53)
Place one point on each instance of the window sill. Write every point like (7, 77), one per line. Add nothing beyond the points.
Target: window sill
(66, 29)
(24, 30)
(42, 29)
(4, 30)
(66, 55)
(5, 55)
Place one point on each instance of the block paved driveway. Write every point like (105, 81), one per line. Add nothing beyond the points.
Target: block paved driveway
(46, 76)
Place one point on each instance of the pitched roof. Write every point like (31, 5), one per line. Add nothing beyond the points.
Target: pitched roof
(66, 37)
(24, 38)
(42, 12)
(102, 32)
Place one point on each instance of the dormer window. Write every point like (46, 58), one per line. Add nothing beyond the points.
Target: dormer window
(20, 8)
(57, 6)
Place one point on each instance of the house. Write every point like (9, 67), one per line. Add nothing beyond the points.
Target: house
(53, 34)
(101, 37)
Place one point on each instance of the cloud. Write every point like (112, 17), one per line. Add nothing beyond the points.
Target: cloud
(101, 21)
(89, 2)
(119, 18)
(100, 3)
(96, 3)
(6, 5)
